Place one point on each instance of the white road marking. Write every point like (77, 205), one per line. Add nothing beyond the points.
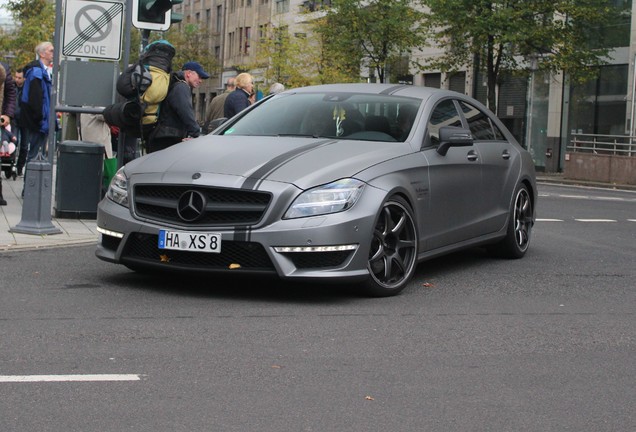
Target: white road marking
(574, 196)
(549, 220)
(595, 220)
(68, 378)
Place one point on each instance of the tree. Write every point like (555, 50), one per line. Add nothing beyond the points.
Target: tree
(191, 44)
(286, 58)
(37, 23)
(509, 36)
(372, 33)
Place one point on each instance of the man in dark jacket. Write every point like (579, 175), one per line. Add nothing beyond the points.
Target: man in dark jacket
(176, 114)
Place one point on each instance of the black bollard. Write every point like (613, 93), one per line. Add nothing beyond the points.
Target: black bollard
(36, 208)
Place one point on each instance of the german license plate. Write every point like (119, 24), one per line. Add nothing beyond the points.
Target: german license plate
(190, 241)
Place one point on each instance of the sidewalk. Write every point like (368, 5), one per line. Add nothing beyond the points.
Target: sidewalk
(74, 231)
(84, 231)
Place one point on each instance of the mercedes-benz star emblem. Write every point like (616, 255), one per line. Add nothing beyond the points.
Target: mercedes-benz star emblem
(191, 205)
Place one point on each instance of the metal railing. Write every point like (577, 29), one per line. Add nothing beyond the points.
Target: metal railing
(616, 145)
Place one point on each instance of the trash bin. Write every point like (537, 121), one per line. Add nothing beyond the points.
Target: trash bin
(78, 186)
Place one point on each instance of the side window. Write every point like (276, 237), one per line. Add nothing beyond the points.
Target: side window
(478, 122)
(444, 114)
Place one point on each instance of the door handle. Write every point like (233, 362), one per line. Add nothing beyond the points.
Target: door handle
(472, 156)
(505, 155)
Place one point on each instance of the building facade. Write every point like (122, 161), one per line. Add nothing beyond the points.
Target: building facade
(543, 111)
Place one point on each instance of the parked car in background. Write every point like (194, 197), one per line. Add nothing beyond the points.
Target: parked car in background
(345, 182)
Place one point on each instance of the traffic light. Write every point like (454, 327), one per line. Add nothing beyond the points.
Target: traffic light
(176, 17)
(152, 14)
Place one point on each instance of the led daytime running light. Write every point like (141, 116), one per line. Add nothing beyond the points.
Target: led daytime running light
(110, 233)
(337, 248)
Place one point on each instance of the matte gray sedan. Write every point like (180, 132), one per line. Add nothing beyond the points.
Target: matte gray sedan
(346, 182)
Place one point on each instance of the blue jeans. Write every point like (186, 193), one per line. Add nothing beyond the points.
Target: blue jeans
(23, 140)
(37, 142)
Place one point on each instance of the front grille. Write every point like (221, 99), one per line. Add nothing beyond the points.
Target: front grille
(248, 255)
(309, 260)
(225, 207)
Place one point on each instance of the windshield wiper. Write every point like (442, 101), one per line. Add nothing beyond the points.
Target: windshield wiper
(296, 135)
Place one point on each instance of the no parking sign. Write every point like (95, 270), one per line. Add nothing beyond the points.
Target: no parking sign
(93, 29)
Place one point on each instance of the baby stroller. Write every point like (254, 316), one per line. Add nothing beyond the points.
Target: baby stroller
(8, 154)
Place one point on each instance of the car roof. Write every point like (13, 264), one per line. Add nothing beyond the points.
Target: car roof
(369, 88)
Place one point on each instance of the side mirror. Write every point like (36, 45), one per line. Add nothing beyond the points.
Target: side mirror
(451, 136)
(215, 124)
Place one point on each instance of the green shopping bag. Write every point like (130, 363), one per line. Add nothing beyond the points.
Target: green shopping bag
(110, 169)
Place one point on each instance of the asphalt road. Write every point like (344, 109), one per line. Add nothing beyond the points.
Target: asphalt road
(546, 343)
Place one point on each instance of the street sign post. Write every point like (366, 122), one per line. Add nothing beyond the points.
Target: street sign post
(93, 29)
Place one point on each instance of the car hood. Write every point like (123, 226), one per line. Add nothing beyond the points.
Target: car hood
(305, 162)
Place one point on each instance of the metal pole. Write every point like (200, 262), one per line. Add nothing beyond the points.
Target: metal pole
(56, 71)
(121, 141)
(632, 128)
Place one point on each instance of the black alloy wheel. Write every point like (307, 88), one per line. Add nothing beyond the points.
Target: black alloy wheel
(517, 240)
(393, 252)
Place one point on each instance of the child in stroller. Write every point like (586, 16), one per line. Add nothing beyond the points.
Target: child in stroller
(7, 157)
(8, 153)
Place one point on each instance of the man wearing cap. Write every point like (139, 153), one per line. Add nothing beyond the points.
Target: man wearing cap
(176, 116)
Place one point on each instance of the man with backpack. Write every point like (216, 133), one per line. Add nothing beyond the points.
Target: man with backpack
(176, 114)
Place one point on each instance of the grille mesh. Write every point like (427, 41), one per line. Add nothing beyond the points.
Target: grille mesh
(308, 260)
(225, 206)
(110, 242)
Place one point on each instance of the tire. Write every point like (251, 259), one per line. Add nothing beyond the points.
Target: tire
(393, 251)
(520, 222)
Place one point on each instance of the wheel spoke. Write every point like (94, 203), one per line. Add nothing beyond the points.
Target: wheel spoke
(399, 226)
(386, 224)
(378, 253)
(387, 268)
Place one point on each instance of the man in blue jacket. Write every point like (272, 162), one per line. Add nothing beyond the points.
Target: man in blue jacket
(36, 98)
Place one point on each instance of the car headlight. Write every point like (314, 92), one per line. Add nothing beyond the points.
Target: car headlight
(330, 198)
(118, 189)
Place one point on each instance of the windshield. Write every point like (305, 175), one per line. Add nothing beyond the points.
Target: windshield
(368, 117)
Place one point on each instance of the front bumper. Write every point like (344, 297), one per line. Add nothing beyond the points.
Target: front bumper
(271, 247)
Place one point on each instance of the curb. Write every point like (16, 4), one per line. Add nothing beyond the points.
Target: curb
(556, 179)
(32, 247)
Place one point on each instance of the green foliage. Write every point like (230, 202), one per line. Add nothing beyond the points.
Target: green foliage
(191, 44)
(375, 34)
(286, 58)
(509, 36)
(36, 20)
